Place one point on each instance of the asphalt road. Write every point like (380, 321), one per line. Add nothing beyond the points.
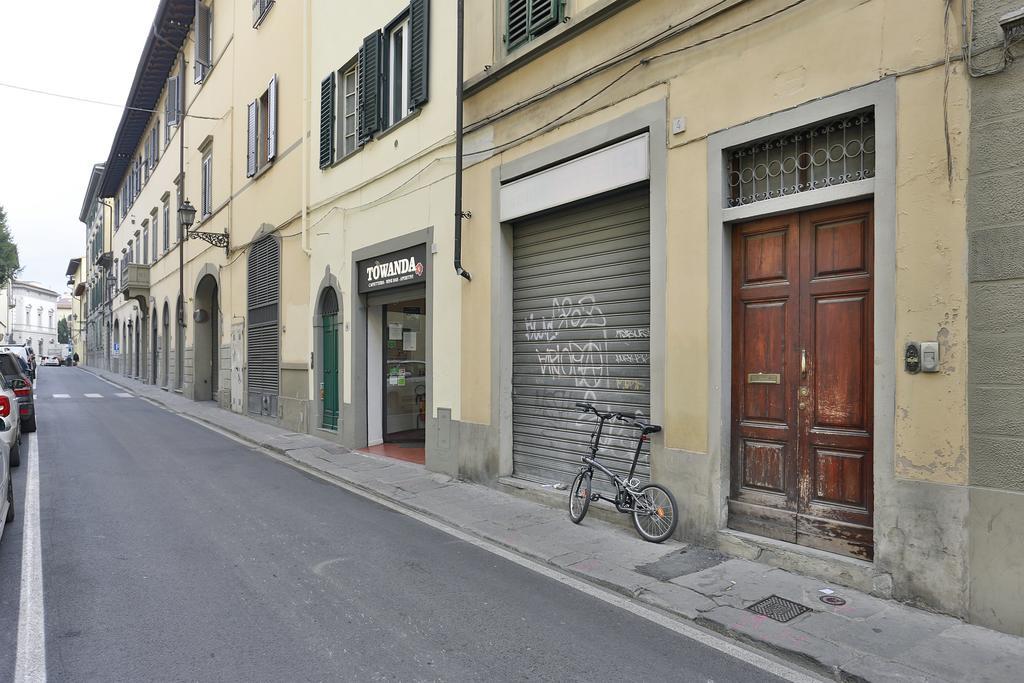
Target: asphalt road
(170, 552)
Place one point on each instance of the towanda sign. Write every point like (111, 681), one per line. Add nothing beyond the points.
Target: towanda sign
(399, 268)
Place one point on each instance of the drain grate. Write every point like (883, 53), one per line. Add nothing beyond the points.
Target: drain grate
(779, 609)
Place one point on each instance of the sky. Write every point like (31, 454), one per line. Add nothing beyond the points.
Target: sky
(48, 145)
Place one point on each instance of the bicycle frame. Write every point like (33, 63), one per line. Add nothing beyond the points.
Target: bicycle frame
(622, 487)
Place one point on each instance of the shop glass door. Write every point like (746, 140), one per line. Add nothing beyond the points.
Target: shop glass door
(405, 371)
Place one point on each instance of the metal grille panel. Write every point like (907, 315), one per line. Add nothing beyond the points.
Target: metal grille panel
(581, 332)
(779, 609)
(831, 153)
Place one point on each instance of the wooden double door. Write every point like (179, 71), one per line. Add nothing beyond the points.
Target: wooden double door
(802, 378)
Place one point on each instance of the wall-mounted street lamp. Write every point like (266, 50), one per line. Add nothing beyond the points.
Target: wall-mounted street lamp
(187, 218)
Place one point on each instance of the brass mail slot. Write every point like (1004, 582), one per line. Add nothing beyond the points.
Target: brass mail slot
(764, 378)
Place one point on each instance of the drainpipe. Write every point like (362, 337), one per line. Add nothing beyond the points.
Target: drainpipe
(460, 43)
(180, 358)
(305, 122)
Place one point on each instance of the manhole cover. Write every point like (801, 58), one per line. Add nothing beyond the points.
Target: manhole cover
(779, 609)
(833, 600)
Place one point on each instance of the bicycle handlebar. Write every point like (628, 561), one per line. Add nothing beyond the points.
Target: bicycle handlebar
(646, 427)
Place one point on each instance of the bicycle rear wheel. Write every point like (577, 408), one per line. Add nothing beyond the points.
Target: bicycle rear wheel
(655, 514)
(579, 497)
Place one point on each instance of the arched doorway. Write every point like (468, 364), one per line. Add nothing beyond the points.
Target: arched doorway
(205, 345)
(153, 354)
(179, 347)
(330, 405)
(165, 375)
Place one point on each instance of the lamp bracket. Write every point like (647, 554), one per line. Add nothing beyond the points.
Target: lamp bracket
(217, 239)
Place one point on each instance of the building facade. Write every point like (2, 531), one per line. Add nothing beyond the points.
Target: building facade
(33, 315)
(668, 210)
(225, 83)
(384, 302)
(995, 230)
(697, 225)
(67, 307)
(94, 286)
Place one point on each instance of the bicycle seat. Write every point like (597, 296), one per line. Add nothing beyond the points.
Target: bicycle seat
(651, 429)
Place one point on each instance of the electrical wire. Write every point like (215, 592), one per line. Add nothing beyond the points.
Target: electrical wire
(669, 32)
(967, 38)
(945, 91)
(642, 62)
(100, 102)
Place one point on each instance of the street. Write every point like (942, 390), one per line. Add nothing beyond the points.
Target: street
(170, 552)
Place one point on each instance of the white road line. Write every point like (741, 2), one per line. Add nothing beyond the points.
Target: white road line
(62, 395)
(124, 395)
(704, 637)
(30, 664)
(94, 395)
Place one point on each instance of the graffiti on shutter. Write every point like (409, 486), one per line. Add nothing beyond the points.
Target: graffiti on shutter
(580, 332)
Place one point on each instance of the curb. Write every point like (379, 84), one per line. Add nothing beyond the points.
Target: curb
(792, 657)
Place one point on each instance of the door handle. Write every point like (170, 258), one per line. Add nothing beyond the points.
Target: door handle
(803, 362)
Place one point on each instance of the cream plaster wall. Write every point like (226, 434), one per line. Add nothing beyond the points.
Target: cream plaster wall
(245, 59)
(750, 74)
(398, 183)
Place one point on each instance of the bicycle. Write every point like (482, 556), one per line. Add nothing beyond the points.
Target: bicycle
(653, 506)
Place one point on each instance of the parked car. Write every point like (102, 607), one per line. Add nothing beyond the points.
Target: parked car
(10, 423)
(14, 369)
(27, 356)
(6, 480)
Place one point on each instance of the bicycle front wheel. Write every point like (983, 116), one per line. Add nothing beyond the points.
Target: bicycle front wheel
(655, 513)
(579, 497)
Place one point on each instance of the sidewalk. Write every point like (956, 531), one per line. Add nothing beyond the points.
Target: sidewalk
(866, 638)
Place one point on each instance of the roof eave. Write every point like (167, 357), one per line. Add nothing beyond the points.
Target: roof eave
(167, 34)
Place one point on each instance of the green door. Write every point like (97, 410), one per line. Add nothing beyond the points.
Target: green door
(329, 389)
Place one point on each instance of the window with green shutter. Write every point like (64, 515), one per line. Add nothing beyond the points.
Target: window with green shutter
(527, 19)
(327, 121)
(370, 85)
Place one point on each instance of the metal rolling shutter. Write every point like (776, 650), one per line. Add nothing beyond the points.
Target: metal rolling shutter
(581, 332)
(263, 340)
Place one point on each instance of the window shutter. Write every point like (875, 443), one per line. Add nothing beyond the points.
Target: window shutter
(517, 28)
(543, 14)
(250, 169)
(272, 119)
(173, 92)
(326, 120)
(202, 35)
(419, 52)
(207, 186)
(369, 86)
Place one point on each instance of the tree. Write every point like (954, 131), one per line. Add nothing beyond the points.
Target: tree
(9, 264)
(63, 331)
